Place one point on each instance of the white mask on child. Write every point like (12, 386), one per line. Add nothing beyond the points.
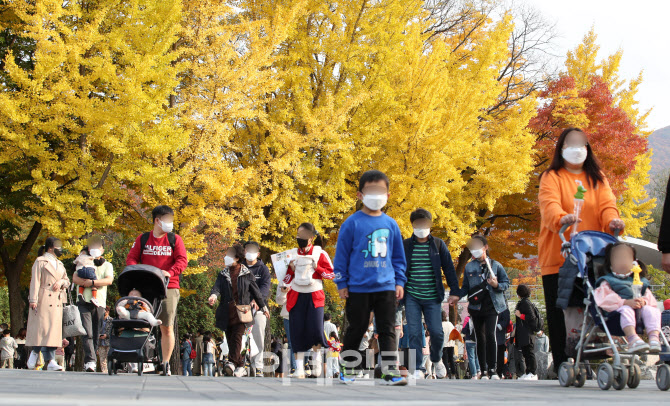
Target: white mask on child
(421, 232)
(95, 252)
(228, 260)
(251, 256)
(375, 202)
(477, 253)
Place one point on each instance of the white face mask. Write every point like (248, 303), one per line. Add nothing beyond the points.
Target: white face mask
(375, 202)
(166, 227)
(95, 253)
(251, 256)
(477, 253)
(228, 260)
(422, 232)
(575, 155)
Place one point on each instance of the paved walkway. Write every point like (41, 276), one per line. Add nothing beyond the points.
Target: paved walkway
(21, 387)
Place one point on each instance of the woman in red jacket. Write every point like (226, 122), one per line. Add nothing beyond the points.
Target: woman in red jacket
(310, 264)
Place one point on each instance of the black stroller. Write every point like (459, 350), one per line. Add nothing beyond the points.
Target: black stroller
(599, 329)
(134, 340)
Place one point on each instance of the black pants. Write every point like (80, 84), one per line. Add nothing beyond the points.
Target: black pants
(357, 310)
(448, 360)
(91, 319)
(555, 320)
(529, 358)
(500, 365)
(487, 348)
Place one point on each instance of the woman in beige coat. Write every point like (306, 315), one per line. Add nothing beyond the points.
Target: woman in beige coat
(47, 293)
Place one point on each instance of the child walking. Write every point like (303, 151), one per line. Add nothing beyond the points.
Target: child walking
(614, 293)
(208, 354)
(332, 359)
(370, 270)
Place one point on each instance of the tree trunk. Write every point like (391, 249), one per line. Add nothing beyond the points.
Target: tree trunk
(13, 268)
(16, 303)
(175, 361)
(267, 346)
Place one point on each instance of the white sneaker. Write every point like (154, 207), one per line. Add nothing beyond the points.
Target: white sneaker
(531, 377)
(240, 372)
(523, 377)
(90, 367)
(317, 369)
(418, 374)
(484, 378)
(474, 378)
(495, 377)
(32, 360)
(440, 370)
(53, 366)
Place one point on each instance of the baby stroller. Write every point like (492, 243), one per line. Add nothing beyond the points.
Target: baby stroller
(597, 335)
(133, 340)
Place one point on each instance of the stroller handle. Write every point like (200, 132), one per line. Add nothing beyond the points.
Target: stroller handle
(565, 246)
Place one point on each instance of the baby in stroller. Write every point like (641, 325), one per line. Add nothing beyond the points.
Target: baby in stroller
(615, 293)
(134, 307)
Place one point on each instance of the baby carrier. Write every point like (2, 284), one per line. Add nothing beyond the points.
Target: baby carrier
(305, 266)
(133, 340)
(594, 338)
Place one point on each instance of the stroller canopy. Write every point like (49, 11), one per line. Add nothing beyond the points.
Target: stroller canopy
(589, 242)
(148, 279)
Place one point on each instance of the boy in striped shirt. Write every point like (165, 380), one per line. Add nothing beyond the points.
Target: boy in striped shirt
(427, 259)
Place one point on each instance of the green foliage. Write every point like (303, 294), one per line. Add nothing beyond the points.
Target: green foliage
(193, 312)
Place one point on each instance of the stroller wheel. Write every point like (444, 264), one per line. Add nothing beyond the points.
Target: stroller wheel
(605, 376)
(140, 367)
(110, 367)
(663, 377)
(634, 375)
(580, 377)
(566, 374)
(620, 377)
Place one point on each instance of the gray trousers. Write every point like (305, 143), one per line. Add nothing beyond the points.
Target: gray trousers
(258, 332)
(91, 319)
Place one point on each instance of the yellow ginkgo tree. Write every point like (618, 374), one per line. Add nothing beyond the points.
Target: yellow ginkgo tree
(83, 120)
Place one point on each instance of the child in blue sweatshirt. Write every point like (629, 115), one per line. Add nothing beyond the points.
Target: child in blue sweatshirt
(369, 272)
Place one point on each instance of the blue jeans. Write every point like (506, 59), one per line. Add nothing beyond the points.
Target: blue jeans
(207, 364)
(290, 350)
(186, 365)
(432, 313)
(473, 361)
(48, 353)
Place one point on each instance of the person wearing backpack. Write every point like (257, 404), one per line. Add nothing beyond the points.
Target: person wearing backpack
(165, 250)
(527, 324)
(187, 356)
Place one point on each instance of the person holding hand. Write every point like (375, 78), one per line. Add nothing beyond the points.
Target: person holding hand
(235, 286)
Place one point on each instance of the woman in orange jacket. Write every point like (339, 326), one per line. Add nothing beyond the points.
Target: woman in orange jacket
(573, 164)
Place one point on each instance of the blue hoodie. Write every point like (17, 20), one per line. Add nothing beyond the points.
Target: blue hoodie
(370, 256)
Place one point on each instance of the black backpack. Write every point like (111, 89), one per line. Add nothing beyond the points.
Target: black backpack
(539, 322)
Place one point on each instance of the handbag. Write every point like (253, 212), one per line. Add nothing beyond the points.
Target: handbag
(244, 313)
(72, 326)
